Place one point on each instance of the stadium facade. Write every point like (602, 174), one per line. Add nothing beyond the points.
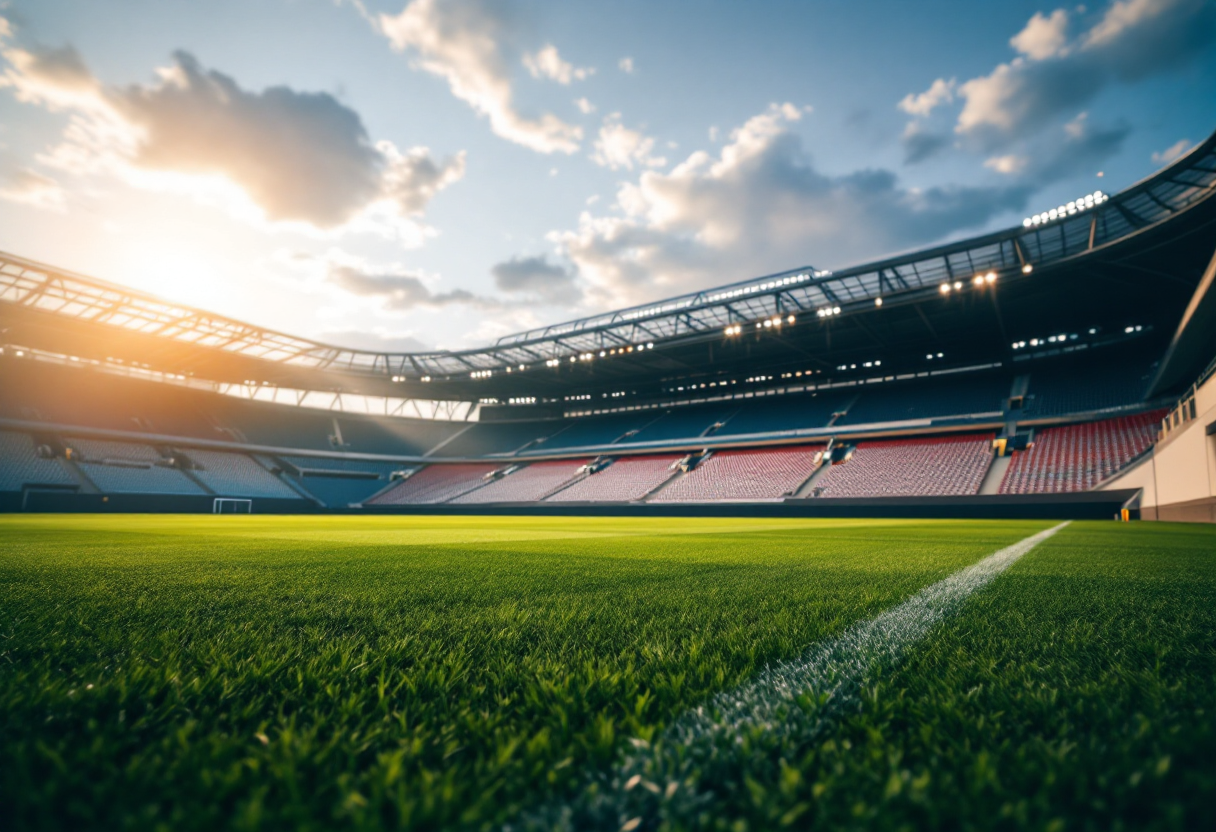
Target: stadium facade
(1059, 368)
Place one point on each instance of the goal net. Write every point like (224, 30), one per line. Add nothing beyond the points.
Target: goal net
(229, 505)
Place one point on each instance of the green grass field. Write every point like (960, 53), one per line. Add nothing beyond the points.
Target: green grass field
(186, 672)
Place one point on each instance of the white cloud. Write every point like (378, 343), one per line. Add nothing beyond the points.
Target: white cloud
(1008, 164)
(28, 187)
(547, 63)
(626, 65)
(584, 106)
(354, 281)
(1124, 16)
(278, 155)
(756, 206)
(1173, 152)
(620, 147)
(1133, 39)
(940, 91)
(536, 277)
(1043, 37)
(470, 44)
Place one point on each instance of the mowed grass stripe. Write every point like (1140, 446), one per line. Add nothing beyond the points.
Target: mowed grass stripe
(668, 782)
(207, 680)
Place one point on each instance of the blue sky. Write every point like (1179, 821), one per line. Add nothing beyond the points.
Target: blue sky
(438, 173)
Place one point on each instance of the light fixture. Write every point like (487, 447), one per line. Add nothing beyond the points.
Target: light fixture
(1027, 269)
(944, 288)
(878, 301)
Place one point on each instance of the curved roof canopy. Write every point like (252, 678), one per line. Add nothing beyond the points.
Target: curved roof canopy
(1068, 234)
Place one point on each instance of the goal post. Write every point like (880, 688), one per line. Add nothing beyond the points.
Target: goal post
(232, 505)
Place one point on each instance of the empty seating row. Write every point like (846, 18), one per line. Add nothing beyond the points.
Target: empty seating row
(236, 475)
(629, 478)
(43, 392)
(910, 467)
(528, 484)
(128, 468)
(1078, 457)
(20, 465)
(339, 483)
(436, 484)
(1081, 387)
(762, 474)
(960, 394)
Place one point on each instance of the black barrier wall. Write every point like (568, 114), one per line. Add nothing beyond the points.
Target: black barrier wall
(1088, 505)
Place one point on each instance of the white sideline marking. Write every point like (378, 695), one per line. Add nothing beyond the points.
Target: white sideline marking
(833, 671)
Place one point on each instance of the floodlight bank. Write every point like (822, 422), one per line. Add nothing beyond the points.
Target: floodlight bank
(661, 778)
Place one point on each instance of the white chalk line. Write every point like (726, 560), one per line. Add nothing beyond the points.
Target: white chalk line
(659, 780)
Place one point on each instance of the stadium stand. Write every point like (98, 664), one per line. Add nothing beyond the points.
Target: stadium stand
(128, 468)
(1078, 457)
(598, 430)
(340, 482)
(436, 484)
(760, 474)
(407, 437)
(84, 398)
(527, 484)
(911, 467)
(959, 394)
(236, 475)
(627, 479)
(794, 411)
(1082, 387)
(20, 465)
(485, 438)
(685, 422)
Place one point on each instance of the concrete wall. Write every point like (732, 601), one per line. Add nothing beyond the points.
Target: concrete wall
(1179, 477)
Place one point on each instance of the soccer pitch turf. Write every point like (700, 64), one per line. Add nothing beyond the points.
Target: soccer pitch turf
(187, 672)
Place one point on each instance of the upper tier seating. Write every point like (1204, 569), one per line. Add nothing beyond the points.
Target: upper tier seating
(323, 478)
(484, 438)
(1078, 457)
(525, 485)
(762, 474)
(959, 394)
(20, 464)
(598, 430)
(38, 391)
(628, 478)
(911, 467)
(686, 422)
(128, 468)
(792, 411)
(436, 484)
(1082, 387)
(236, 475)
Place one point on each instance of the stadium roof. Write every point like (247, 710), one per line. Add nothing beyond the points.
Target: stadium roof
(52, 308)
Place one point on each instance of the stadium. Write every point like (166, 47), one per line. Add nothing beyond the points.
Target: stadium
(923, 542)
(1027, 373)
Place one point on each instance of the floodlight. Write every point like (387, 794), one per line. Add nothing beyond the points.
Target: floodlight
(878, 301)
(1027, 268)
(944, 288)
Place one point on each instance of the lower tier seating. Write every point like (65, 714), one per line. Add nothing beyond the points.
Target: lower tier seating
(436, 484)
(628, 478)
(20, 464)
(527, 484)
(128, 468)
(1078, 457)
(236, 475)
(330, 480)
(911, 467)
(764, 474)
